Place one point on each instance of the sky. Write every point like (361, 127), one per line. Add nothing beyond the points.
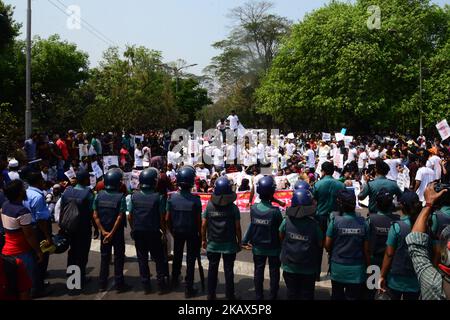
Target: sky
(180, 29)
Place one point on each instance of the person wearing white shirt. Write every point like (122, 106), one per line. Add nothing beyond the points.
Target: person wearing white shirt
(290, 148)
(352, 154)
(231, 153)
(362, 159)
(13, 167)
(374, 154)
(234, 120)
(138, 157)
(424, 176)
(147, 156)
(393, 171)
(173, 157)
(218, 160)
(434, 163)
(310, 158)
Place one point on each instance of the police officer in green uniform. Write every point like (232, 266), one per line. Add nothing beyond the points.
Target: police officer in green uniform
(183, 219)
(262, 236)
(379, 225)
(324, 192)
(348, 243)
(109, 215)
(221, 236)
(80, 239)
(302, 243)
(397, 274)
(146, 218)
(373, 187)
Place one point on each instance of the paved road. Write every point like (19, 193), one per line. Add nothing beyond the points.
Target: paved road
(243, 277)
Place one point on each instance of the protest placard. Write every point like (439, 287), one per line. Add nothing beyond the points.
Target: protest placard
(339, 136)
(97, 170)
(134, 179)
(348, 140)
(70, 174)
(109, 161)
(444, 129)
(326, 136)
(92, 179)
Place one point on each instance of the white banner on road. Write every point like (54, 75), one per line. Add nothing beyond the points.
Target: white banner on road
(444, 129)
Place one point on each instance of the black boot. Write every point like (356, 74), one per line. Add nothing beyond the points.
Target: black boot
(190, 293)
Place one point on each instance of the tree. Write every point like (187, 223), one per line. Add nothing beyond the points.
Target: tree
(247, 54)
(334, 71)
(131, 93)
(9, 129)
(190, 98)
(9, 29)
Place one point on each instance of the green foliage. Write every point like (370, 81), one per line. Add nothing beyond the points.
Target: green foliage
(9, 130)
(333, 71)
(131, 92)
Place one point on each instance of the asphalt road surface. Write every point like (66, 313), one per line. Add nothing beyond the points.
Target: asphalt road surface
(243, 270)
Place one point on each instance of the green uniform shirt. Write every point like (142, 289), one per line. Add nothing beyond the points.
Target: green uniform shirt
(293, 268)
(345, 273)
(223, 247)
(324, 192)
(372, 188)
(265, 206)
(396, 282)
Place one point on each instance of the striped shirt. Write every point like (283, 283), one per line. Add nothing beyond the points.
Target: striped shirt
(429, 277)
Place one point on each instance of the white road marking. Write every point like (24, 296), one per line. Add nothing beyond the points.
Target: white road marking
(241, 268)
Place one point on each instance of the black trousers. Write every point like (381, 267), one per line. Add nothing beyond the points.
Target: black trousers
(78, 254)
(145, 242)
(118, 243)
(274, 271)
(346, 291)
(398, 295)
(300, 286)
(213, 270)
(192, 252)
(41, 272)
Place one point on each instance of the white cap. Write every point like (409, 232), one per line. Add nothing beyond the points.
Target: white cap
(290, 136)
(13, 163)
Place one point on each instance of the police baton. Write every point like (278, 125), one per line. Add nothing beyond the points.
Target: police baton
(201, 271)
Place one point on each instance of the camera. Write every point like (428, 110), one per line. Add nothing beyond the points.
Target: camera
(445, 199)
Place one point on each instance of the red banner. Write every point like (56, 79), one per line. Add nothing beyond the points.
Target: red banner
(243, 198)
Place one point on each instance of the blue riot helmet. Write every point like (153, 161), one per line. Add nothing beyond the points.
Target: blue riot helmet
(302, 184)
(301, 197)
(148, 178)
(186, 177)
(266, 187)
(223, 186)
(113, 179)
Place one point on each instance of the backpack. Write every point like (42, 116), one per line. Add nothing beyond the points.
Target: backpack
(70, 217)
(10, 269)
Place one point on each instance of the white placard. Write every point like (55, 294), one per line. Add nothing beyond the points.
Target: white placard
(339, 161)
(339, 136)
(97, 170)
(109, 161)
(134, 179)
(93, 180)
(292, 178)
(326, 136)
(70, 174)
(336, 175)
(348, 140)
(444, 129)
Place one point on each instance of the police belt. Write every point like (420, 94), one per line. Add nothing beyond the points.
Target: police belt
(301, 211)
